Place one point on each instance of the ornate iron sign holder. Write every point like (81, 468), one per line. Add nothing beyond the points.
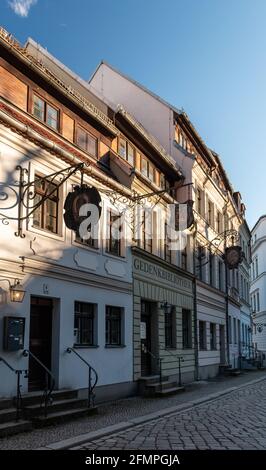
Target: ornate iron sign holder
(25, 193)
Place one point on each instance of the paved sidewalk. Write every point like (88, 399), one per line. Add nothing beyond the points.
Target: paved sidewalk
(124, 413)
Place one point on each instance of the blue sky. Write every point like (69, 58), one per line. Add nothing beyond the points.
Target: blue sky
(207, 56)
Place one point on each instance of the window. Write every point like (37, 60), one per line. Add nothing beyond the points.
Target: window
(219, 222)
(91, 241)
(85, 324)
(147, 231)
(210, 215)
(230, 329)
(114, 232)
(258, 301)
(213, 343)
(200, 256)
(184, 258)
(144, 166)
(46, 215)
(202, 335)
(257, 266)
(86, 142)
(211, 269)
(126, 151)
(113, 326)
(162, 181)
(186, 329)
(199, 201)
(151, 172)
(220, 273)
(45, 112)
(170, 329)
(167, 251)
(235, 334)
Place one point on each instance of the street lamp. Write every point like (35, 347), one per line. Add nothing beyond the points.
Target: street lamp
(166, 307)
(17, 293)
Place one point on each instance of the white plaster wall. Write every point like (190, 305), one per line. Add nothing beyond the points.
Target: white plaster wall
(64, 271)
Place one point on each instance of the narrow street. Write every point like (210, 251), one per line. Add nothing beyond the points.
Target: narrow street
(235, 421)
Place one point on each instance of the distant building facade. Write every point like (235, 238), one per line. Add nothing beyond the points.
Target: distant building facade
(258, 283)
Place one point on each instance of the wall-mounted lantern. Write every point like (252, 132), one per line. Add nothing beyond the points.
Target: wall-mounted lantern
(17, 293)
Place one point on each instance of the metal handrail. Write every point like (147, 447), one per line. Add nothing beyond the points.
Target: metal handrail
(49, 385)
(159, 360)
(18, 372)
(180, 359)
(91, 387)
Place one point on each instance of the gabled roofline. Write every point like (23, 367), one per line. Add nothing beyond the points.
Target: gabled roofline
(135, 82)
(258, 221)
(158, 98)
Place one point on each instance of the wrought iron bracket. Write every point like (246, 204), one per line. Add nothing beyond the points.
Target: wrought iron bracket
(25, 193)
(222, 237)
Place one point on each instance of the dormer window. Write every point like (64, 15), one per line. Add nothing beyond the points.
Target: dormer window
(45, 112)
(86, 141)
(126, 151)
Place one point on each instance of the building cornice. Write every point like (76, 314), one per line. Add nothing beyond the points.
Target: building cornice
(37, 267)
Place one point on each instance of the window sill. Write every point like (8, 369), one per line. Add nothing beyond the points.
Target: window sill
(85, 346)
(84, 246)
(115, 346)
(45, 233)
(170, 348)
(114, 256)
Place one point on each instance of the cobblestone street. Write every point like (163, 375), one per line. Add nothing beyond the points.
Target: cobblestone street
(235, 421)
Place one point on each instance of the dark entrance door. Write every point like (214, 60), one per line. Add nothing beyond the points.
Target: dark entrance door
(222, 345)
(40, 340)
(145, 334)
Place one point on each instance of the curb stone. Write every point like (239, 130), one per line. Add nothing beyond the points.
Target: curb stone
(76, 441)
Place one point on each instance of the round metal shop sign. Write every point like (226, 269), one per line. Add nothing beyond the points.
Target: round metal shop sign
(78, 197)
(233, 256)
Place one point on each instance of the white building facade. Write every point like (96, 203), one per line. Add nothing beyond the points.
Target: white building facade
(258, 283)
(78, 293)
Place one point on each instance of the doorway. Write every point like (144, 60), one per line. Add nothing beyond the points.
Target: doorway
(222, 344)
(148, 356)
(40, 344)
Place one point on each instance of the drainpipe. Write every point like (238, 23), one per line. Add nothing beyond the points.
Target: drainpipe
(195, 311)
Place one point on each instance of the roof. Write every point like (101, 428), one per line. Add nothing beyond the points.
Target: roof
(135, 82)
(258, 221)
(10, 43)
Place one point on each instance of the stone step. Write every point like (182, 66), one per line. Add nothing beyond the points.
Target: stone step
(6, 403)
(164, 385)
(58, 405)
(62, 416)
(232, 371)
(8, 415)
(169, 391)
(34, 398)
(13, 427)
